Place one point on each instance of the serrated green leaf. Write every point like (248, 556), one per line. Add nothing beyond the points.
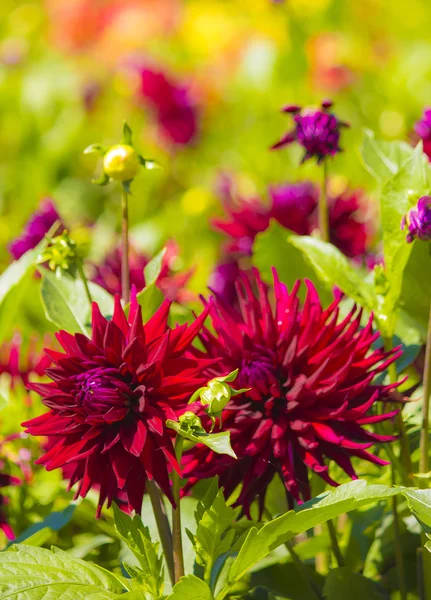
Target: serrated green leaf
(66, 304)
(190, 587)
(29, 573)
(342, 583)
(217, 442)
(333, 268)
(137, 538)
(347, 497)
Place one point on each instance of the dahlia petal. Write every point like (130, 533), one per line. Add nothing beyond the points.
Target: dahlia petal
(157, 325)
(119, 317)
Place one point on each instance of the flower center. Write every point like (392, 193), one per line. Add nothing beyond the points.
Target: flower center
(103, 395)
(259, 373)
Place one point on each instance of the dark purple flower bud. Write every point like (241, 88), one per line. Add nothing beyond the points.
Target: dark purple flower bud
(317, 131)
(418, 221)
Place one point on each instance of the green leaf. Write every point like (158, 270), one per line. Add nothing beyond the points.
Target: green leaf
(383, 159)
(14, 282)
(29, 573)
(127, 134)
(190, 588)
(333, 268)
(215, 533)
(419, 502)
(151, 296)
(153, 269)
(347, 497)
(271, 249)
(137, 538)
(66, 304)
(416, 286)
(217, 442)
(285, 581)
(95, 148)
(39, 533)
(342, 583)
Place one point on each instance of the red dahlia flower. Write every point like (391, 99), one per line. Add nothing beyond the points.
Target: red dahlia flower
(6, 480)
(311, 379)
(110, 398)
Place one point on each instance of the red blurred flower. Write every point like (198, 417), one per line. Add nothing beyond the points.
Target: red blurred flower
(108, 273)
(109, 400)
(312, 392)
(6, 480)
(172, 104)
(22, 362)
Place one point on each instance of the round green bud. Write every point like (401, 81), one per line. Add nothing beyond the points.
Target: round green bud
(121, 162)
(189, 420)
(216, 395)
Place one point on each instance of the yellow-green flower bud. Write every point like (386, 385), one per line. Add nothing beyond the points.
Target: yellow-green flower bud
(216, 395)
(121, 162)
(61, 254)
(190, 422)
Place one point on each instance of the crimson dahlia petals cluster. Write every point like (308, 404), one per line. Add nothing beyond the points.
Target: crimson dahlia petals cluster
(311, 378)
(109, 400)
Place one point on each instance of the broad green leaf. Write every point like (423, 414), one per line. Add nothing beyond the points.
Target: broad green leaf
(151, 297)
(190, 588)
(285, 581)
(419, 502)
(342, 583)
(334, 269)
(416, 286)
(347, 497)
(217, 442)
(29, 573)
(66, 304)
(137, 537)
(383, 159)
(14, 282)
(271, 249)
(397, 197)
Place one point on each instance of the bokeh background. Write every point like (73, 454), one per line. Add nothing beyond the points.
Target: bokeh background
(201, 83)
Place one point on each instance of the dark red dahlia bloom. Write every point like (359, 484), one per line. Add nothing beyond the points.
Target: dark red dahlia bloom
(422, 131)
(109, 400)
(6, 480)
(36, 228)
(108, 273)
(349, 230)
(176, 112)
(311, 378)
(317, 131)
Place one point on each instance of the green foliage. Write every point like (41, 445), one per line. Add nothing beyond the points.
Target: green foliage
(29, 573)
(342, 583)
(190, 588)
(382, 159)
(259, 543)
(215, 532)
(66, 304)
(149, 574)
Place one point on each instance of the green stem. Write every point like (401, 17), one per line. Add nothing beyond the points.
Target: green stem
(125, 273)
(162, 525)
(334, 543)
(85, 282)
(405, 452)
(176, 516)
(404, 442)
(424, 439)
(323, 206)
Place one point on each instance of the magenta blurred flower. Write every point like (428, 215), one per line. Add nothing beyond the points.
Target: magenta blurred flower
(109, 400)
(317, 131)
(172, 104)
(223, 279)
(34, 231)
(312, 392)
(347, 231)
(422, 131)
(418, 221)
